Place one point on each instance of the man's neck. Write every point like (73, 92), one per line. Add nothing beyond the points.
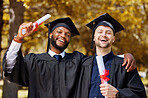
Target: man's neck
(102, 51)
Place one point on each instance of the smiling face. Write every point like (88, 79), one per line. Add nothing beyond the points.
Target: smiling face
(104, 37)
(60, 38)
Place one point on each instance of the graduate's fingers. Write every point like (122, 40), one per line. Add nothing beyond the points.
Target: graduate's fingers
(27, 30)
(30, 29)
(26, 26)
(128, 63)
(129, 68)
(102, 88)
(33, 29)
(132, 67)
(109, 91)
(21, 27)
(124, 62)
(104, 93)
(102, 85)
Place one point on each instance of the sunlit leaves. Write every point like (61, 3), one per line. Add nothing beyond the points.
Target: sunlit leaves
(132, 14)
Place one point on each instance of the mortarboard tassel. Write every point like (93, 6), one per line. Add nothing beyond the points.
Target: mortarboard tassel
(48, 44)
(92, 42)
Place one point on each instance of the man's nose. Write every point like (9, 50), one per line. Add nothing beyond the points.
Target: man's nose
(63, 34)
(104, 33)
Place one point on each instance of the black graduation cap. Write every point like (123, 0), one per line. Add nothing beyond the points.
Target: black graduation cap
(105, 20)
(65, 22)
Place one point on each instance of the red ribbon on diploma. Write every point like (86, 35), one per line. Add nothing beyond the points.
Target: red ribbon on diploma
(36, 26)
(104, 77)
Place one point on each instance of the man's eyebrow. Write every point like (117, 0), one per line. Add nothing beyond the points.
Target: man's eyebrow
(109, 31)
(100, 30)
(59, 29)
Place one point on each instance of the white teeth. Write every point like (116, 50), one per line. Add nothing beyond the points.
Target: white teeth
(104, 40)
(61, 40)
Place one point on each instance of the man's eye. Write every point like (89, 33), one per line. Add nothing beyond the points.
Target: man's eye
(67, 35)
(59, 32)
(99, 32)
(108, 32)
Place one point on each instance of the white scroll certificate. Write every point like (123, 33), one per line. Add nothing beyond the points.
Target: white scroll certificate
(101, 68)
(38, 22)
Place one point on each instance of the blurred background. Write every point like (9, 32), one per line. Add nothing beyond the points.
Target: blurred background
(132, 14)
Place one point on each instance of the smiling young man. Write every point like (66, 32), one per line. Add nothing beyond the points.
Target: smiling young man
(48, 75)
(121, 84)
(53, 74)
(60, 40)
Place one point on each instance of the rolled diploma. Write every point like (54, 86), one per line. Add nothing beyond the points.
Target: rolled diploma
(101, 67)
(38, 22)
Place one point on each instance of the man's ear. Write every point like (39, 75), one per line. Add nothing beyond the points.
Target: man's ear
(50, 35)
(94, 38)
(114, 39)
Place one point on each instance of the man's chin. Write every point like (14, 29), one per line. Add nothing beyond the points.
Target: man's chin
(104, 46)
(60, 47)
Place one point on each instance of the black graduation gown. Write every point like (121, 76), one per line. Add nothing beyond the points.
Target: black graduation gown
(46, 77)
(129, 84)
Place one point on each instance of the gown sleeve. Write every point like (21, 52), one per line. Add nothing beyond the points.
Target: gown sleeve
(21, 70)
(134, 86)
(128, 84)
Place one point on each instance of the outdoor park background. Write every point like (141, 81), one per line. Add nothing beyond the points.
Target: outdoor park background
(132, 14)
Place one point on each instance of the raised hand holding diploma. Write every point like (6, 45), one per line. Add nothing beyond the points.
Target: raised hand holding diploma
(29, 29)
(26, 29)
(38, 22)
